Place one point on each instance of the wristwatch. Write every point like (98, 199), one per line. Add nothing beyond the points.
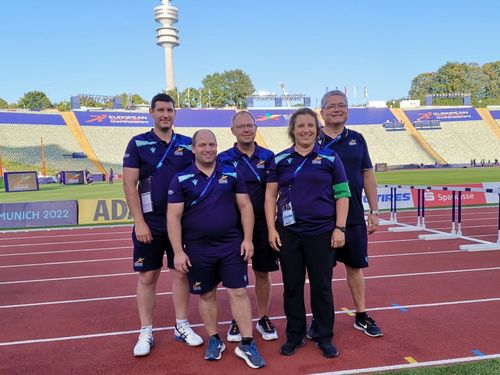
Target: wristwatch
(342, 229)
(374, 212)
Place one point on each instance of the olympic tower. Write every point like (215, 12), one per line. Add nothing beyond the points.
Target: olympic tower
(166, 37)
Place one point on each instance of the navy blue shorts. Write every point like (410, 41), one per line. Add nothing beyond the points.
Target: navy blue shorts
(355, 252)
(149, 257)
(264, 259)
(210, 267)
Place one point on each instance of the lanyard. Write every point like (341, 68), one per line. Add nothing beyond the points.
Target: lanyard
(204, 190)
(251, 168)
(166, 152)
(296, 172)
(335, 140)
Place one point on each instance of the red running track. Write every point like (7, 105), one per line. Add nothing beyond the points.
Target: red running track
(68, 306)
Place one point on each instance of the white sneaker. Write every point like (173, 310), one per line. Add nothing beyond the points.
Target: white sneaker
(144, 344)
(183, 332)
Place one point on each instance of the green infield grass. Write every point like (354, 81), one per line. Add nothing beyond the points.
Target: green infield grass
(483, 367)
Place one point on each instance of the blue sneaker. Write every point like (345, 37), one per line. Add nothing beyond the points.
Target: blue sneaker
(215, 349)
(250, 354)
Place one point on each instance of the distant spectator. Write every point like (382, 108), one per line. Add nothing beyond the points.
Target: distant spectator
(88, 177)
(110, 178)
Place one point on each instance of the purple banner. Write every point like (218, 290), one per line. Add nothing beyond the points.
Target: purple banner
(91, 118)
(495, 114)
(448, 114)
(366, 116)
(268, 118)
(38, 214)
(31, 118)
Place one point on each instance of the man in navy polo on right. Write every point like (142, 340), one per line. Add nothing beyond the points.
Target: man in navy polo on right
(353, 151)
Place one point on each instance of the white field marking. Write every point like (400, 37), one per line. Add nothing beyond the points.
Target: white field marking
(66, 251)
(62, 235)
(220, 288)
(440, 362)
(225, 323)
(66, 262)
(133, 273)
(64, 243)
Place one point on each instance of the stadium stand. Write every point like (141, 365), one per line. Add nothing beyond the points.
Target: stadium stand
(21, 137)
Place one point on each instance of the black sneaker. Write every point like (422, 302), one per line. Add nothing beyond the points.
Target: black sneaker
(328, 350)
(233, 333)
(266, 329)
(369, 327)
(289, 348)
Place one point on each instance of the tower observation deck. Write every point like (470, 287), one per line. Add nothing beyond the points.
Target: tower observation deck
(166, 37)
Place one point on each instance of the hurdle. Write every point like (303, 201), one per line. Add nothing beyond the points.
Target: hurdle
(420, 210)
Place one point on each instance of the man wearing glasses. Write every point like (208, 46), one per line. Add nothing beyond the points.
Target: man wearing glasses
(353, 151)
(252, 161)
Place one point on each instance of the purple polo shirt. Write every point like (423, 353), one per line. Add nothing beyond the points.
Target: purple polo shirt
(311, 183)
(253, 169)
(145, 152)
(211, 217)
(353, 150)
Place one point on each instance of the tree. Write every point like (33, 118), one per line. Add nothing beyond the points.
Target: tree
(3, 103)
(491, 73)
(229, 88)
(421, 85)
(132, 99)
(34, 100)
(64, 106)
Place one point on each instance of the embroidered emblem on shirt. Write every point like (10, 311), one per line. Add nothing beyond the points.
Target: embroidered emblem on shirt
(261, 164)
(194, 181)
(170, 192)
(223, 179)
(317, 160)
(153, 149)
(352, 142)
(289, 160)
(179, 151)
(235, 163)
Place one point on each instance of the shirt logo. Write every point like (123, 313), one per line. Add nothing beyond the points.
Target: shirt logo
(126, 156)
(139, 262)
(179, 151)
(352, 142)
(235, 163)
(289, 160)
(153, 149)
(317, 160)
(197, 285)
(261, 164)
(223, 179)
(194, 181)
(170, 192)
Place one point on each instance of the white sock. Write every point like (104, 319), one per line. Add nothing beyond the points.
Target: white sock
(147, 329)
(180, 321)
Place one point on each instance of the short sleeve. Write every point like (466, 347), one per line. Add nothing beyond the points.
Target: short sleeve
(175, 193)
(131, 157)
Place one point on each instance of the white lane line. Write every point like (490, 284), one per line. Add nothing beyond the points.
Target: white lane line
(66, 262)
(66, 251)
(225, 323)
(405, 366)
(134, 273)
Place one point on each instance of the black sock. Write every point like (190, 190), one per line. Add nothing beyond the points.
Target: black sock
(361, 316)
(246, 340)
(216, 336)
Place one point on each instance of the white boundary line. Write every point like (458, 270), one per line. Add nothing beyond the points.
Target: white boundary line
(410, 365)
(93, 335)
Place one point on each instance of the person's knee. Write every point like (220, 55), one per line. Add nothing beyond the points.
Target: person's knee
(149, 278)
(238, 293)
(261, 276)
(178, 276)
(209, 296)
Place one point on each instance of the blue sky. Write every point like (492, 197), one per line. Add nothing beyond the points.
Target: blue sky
(108, 47)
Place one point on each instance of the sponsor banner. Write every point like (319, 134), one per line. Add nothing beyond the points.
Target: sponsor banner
(404, 199)
(103, 211)
(31, 118)
(448, 114)
(438, 198)
(366, 116)
(38, 214)
(495, 115)
(204, 118)
(92, 118)
(491, 197)
(272, 117)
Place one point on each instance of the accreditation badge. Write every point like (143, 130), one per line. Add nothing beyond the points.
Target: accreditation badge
(145, 194)
(288, 215)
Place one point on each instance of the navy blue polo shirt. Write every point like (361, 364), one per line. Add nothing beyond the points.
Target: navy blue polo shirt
(146, 152)
(353, 150)
(211, 218)
(253, 169)
(319, 180)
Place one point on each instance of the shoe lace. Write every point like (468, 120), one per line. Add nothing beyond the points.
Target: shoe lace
(184, 329)
(266, 322)
(234, 329)
(145, 336)
(369, 321)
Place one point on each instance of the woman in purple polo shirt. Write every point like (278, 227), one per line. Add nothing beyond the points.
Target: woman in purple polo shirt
(307, 198)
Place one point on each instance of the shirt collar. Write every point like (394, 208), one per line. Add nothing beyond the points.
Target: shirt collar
(240, 154)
